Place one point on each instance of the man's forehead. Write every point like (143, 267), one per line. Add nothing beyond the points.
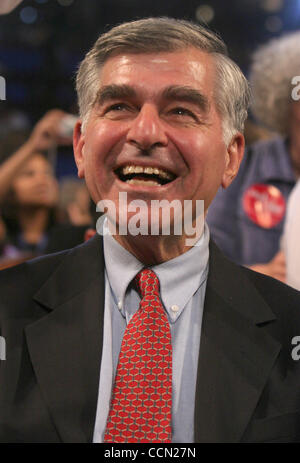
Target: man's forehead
(188, 66)
(160, 56)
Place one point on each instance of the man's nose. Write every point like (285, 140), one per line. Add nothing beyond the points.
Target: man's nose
(146, 130)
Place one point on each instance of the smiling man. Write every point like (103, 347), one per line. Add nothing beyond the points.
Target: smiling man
(154, 132)
(143, 337)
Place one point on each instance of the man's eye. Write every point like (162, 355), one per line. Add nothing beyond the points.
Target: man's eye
(117, 107)
(183, 112)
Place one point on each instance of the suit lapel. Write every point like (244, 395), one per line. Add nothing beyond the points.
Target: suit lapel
(236, 354)
(65, 346)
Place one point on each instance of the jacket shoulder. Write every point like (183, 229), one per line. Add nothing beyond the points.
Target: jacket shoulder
(283, 299)
(19, 283)
(248, 288)
(70, 268)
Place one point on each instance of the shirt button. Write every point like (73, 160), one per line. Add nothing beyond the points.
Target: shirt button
(174, 308)
(120, 305)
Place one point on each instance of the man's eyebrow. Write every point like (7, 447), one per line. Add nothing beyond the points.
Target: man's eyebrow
(114, 92)
(188, 94)
(173, 92)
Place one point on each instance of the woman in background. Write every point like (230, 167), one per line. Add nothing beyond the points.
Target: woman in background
(246, 220)
(29, 208)
(29, 190)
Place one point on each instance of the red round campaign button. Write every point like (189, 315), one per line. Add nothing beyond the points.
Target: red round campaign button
(264, 205)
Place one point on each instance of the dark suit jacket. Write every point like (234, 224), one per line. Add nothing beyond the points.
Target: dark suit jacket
(248, 387)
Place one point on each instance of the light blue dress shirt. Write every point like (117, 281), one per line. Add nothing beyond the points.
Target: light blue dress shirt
(182, 286)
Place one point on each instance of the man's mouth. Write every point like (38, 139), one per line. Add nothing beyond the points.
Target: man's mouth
(147, 176)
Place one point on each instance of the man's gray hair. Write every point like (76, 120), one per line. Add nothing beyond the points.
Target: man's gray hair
(273, 67)
(155, 35)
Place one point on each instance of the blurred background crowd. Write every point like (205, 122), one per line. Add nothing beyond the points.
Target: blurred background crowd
(45, 208)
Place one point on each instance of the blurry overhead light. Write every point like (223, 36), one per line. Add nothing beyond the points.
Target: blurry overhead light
(65, 2)
(6, 6)
(272, 5)
(28, 15)
(273, 24)
(205, 13)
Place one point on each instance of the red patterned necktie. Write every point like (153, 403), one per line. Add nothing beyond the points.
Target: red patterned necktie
(141, 404)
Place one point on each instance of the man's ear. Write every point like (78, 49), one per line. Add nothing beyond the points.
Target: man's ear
(78, 145)
(234, 156)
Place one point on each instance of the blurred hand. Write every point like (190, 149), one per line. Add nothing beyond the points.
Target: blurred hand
(6, 6)
(46, 133)
(276, 268)
(89, 233)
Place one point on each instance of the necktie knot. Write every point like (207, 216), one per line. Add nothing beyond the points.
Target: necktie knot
(147, 282)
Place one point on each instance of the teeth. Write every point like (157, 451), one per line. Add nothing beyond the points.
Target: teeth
(143, 182)
(165, 174)
(147, 170)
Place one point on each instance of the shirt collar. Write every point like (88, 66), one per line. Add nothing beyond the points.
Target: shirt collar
(121, 266)
(179, 278)
(182, 276)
